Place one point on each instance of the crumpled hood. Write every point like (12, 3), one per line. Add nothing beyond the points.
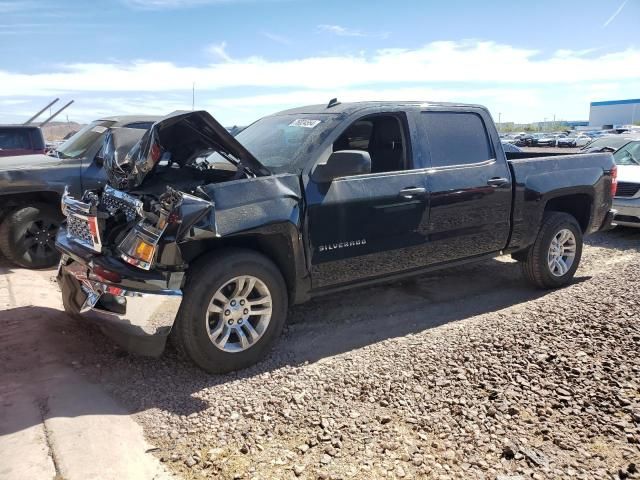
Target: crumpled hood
(180, 138)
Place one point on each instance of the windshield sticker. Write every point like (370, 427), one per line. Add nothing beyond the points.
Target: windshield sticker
(304, 123)
(99, 129)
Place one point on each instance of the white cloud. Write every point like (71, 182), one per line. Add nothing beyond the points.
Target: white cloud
(220, 51)
(341, 31)
(520, 83)
(281, 39)
(167, 4)
(615, 14)
(175, 4)
(437, 62)
(9, 6)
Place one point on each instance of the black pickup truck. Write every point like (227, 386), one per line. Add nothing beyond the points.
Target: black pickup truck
(31, 188)
(210, 238)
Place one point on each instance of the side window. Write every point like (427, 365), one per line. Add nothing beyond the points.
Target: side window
(383, 136)
(456, 138)
(356, 137)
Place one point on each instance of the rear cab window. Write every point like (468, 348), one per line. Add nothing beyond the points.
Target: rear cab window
(21, 138)
(456, 138)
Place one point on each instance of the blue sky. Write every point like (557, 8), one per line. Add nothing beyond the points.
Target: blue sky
(525, 60)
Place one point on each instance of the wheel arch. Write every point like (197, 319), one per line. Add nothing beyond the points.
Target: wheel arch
(10, 201)
(280, 243)
(578, 205)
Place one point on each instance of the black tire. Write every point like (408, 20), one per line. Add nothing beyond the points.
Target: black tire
(27, 236)
(189, 333)
(535, 267)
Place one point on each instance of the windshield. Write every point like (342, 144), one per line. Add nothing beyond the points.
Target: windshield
(628, 155)
(280, 142)
(78, 145)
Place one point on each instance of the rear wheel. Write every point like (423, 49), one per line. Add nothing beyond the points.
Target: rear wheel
(28, 234)
(234, 307)
(553, 259)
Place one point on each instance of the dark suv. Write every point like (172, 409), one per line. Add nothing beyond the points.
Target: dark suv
(20, 140)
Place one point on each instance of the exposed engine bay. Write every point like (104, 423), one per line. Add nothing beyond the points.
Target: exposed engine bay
(155, 190)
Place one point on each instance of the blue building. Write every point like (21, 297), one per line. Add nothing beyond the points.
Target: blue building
(614, 112)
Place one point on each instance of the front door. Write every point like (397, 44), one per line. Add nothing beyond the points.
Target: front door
(370, 225)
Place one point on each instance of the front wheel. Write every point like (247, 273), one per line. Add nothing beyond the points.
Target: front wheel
(553, 259)
(28, 236)
(234, 307)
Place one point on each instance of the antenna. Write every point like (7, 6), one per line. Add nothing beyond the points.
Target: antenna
(40, 112)
(333, 102)
(193, 96)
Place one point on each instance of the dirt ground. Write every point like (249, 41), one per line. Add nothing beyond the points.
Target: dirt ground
(466, 373)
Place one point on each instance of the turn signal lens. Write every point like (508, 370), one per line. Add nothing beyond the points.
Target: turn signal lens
(614, 180)
(144, 251)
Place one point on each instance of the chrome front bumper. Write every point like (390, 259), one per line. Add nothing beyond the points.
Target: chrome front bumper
(627, 211)
(139, 321)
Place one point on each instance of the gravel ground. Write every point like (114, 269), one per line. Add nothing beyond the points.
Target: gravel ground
(467, 373)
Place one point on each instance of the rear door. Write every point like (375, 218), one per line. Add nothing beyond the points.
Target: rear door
(469, 184)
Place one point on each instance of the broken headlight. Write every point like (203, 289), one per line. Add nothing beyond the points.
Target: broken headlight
(140, 246)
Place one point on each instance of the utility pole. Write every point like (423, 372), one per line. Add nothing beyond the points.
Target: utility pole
(499, 119)
(40, 112)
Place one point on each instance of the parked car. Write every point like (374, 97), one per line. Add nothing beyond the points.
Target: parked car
(17, 140)
(568, 141)
(31, 188)
(550, 140)
(608, 143)
(573, 140)
(582, 140)
(529, 140)
(212, 248)
(627, 199)
(510, 148)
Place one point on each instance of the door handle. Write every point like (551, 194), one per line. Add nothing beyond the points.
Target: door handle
(412, 192)
(497, 181)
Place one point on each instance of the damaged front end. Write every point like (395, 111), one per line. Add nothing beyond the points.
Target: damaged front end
(114, 268)
(121, 260)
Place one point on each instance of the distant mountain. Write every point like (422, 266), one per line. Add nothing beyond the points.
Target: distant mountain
(60, 130)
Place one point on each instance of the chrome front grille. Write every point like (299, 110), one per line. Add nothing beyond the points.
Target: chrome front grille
(116, 201)
(82, 220)
(78, 229)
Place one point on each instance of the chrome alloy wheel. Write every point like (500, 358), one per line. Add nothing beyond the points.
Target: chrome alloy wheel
(239, 314)
(562, 252)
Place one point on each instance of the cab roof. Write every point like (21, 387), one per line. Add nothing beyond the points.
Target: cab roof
(352, 107)
(126, 119)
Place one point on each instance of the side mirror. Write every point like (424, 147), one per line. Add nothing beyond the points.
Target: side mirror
(99, 159)
(342, 163)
